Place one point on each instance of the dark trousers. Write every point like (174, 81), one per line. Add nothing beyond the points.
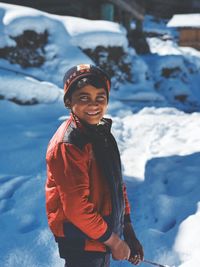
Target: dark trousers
(87, 259)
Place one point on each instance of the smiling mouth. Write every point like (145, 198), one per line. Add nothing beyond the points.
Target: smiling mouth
(93, 113)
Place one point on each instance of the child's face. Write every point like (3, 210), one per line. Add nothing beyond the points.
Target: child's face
(89, 103)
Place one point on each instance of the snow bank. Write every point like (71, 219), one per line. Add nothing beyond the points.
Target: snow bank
(155, 133)
(187, 243)
(27, 90)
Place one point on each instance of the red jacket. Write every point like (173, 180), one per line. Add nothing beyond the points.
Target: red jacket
(78, 201)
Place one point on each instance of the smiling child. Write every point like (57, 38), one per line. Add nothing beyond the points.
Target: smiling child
(86, 201)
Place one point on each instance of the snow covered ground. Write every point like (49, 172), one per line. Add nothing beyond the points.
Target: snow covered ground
(159, 142)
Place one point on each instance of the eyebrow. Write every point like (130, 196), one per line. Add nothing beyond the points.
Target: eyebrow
(85, 93)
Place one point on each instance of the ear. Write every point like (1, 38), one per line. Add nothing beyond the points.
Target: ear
(68, 103)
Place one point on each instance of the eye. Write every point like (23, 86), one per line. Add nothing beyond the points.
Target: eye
(84, 98)
(101, 98)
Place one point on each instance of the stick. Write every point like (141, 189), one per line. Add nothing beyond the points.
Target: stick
(154, 263)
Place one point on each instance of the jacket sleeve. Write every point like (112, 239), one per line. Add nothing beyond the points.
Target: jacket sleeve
(127, 217)
(70, 171)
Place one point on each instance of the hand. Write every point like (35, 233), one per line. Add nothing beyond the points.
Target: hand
(137, 254)
(119, 248)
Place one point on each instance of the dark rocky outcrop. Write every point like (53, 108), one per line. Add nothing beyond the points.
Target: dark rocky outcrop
(114, 60)
(29, 49)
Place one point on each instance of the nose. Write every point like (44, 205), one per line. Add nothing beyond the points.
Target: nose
(93, 102)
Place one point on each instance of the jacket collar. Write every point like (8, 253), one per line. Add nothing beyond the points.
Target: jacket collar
(105, 124)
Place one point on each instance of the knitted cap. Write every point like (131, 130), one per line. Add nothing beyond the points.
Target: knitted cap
(78, 72)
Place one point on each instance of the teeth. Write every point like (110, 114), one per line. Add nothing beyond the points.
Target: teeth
(93, 113)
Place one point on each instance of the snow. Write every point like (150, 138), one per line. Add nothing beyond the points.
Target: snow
(185, 20)
(159, 142)
(91, 34)
(25, 88)
(187, 242)
(87, 34)
(156, 25)
(163, 47)
(164, 132)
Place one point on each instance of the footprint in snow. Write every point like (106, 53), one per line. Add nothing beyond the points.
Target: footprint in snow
(27, 224)
(8, 186)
